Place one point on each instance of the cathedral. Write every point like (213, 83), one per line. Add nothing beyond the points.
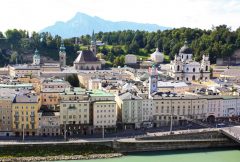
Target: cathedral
(184, 68)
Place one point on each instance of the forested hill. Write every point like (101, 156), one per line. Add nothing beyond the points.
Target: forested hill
(221, 41)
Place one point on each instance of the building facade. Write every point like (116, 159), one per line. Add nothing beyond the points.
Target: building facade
(25, 114)
(6, 114)
(49, 123)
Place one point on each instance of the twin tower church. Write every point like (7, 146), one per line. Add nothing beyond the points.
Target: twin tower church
(86, 59)
(62, 56)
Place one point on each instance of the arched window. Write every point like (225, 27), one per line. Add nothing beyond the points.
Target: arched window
(187, 57)
(193, 70)
(187, 69)
(206, 68)
(177, 78)
(178, 68)
(186, 79)
(193, 77)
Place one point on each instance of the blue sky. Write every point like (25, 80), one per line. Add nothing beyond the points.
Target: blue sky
(34, 15)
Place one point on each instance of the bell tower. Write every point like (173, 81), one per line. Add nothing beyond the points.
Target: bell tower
(62, 55)
(153, 79)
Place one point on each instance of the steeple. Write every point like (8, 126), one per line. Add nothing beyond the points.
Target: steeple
(93, 44)
(62, 54)
(153, 79)
(93, 38)
(62, 47)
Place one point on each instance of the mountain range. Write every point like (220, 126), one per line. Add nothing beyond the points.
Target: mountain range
(82, 24)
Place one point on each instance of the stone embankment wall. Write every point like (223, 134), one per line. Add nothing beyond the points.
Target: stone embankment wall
(188, 136)
(213, 139)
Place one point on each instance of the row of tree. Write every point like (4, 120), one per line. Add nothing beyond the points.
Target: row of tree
(221, 41)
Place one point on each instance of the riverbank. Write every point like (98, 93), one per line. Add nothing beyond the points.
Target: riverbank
(61, 157)
(54, 152)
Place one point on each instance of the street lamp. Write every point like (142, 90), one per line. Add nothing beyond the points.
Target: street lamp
(23, 132)
(171, 124)
(65, 127)
(103, 131)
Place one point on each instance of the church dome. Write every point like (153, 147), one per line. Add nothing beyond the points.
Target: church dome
(185, 49)
(36, 54)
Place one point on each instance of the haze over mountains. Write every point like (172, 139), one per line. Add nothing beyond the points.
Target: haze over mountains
(82, 24)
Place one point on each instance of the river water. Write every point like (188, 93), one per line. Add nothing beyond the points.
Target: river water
(210, 155)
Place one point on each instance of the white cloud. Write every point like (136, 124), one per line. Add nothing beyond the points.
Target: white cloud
(37, 14)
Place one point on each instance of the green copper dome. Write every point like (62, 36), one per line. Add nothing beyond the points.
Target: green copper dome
(62, 47)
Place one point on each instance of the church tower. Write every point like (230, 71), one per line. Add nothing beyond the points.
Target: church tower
(36, 58)
(153, 79)
(62, 55)
(205, 68)
(93, 44)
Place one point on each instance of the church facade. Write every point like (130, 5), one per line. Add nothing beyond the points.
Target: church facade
(87, 59)
(184, 68)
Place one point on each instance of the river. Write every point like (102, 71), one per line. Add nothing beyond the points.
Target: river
(216, 155)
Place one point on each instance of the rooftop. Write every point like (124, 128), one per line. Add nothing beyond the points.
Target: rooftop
(162, 84)
(100, 93)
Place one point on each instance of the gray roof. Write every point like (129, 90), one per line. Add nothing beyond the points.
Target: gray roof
(85, 56)
(129, 96)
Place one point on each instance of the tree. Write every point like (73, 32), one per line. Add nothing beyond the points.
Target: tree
(73, 80)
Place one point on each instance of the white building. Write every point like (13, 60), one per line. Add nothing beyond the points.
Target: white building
(214, 107)
(104, 114)
(134, 109)
(130, 59)
(157, 56)
(185, 69)
(229, 106)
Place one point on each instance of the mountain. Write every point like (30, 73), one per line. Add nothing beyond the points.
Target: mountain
(82, 24)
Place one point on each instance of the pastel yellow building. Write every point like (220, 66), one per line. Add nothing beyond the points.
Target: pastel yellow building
(25, 114)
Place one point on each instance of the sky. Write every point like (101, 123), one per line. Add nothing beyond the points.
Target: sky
(34, 15)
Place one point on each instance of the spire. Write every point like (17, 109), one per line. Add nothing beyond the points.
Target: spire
(36, 52)
(62, 47)
(93, 38)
